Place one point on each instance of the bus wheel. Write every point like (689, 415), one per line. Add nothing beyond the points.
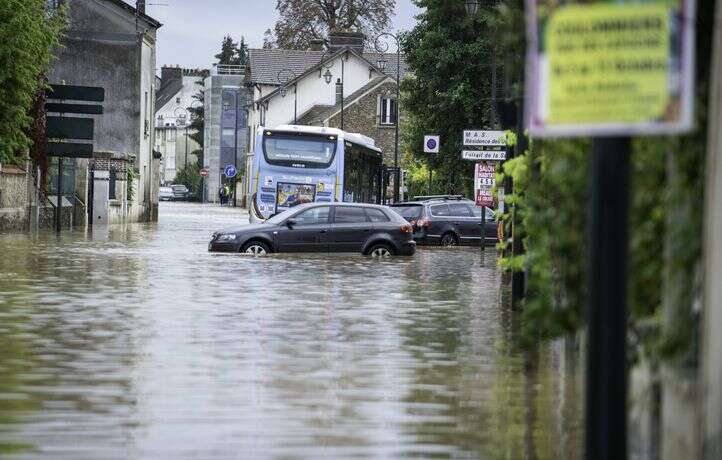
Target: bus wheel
(256, 248)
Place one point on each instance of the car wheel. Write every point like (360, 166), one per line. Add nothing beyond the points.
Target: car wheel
(256, 248)
(381, 251)
(449, 239)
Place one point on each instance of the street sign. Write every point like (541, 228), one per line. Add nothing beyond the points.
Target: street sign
(230, 171)
(204, 172)
(431, 144)
(484, 182)
(483, 155)
(484, 138)
(601, 68)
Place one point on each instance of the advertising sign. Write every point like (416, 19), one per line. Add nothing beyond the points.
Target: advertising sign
(431, 144)
(602, 68)
(482, 155)
(484, 181)
(484, 138)
(290, 195)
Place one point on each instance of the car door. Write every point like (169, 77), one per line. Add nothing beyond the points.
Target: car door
(350, 229)
(491, 228)
(440, 220)
(308, 234)
(469, 228)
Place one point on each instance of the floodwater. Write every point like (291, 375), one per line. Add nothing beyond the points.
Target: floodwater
(135, 343)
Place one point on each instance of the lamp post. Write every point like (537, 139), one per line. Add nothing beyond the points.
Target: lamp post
(284, 76)
(382, 47)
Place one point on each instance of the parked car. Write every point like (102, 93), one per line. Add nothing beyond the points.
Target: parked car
(180, 192)
(316, 227)
(165, 194)
(448, 221)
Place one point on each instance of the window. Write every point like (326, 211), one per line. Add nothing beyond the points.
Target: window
(441, 210)
(306, 151)
(460, 210)
(314, 216)
(350, 215)
(377, 215)
(177, 100)
(490, 216)
(111, 189)
(388, 111)
(409, 212)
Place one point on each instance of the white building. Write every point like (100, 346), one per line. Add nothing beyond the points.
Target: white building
(178, 87)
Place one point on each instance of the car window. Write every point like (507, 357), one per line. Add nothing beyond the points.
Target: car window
(489, 213)
(460, 210)
(350, 215)
(377, 215)
(409, 212)
(313, 216)
(440, 210)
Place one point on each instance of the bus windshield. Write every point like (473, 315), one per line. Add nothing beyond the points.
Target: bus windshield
(304, 151)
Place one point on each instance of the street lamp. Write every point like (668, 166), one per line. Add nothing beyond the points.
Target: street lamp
(382, 47)
(472, 7)
(328, 77)
(284, 76)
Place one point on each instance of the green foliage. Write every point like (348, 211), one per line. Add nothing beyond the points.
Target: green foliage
(232, 53)
(28, 35)
(190, 177)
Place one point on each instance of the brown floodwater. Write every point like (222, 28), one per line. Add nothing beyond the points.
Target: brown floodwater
(133, 342)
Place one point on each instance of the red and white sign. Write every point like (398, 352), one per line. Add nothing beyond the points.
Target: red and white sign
(484, 182)
(204, 172)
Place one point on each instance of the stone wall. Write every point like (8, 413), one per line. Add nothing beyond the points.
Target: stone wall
(14, 203)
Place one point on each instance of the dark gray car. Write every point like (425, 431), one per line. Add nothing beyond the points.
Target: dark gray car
(315, 227)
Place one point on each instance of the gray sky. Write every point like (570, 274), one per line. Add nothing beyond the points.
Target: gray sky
(193, 29)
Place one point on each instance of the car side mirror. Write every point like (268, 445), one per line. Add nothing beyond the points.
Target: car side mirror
(290, 223)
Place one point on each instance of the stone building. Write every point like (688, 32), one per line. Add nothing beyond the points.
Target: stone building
(111, 44)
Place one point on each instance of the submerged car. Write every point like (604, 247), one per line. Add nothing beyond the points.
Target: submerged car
(180, 192)
(448, 221)
(317, 227)
(165, 194)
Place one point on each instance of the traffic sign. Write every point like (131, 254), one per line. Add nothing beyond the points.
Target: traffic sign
(230, 171)
(431, 144)
(484, 138)
(484, 155)
(204, 172)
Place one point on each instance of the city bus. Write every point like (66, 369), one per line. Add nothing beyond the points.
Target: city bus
(293, 165)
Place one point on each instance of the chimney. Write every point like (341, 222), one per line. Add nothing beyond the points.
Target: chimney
(340, 39)
(140, 6)
(317, 44)
(168, 74)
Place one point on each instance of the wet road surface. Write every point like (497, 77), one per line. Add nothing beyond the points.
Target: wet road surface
(135, 343)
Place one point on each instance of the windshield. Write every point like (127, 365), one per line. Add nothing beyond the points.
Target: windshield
(279, 218)
(300, 151)
(408, 212)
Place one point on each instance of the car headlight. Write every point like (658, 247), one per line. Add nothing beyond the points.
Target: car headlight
(228, 237)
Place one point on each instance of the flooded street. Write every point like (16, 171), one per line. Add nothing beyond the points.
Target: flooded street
(136, 343)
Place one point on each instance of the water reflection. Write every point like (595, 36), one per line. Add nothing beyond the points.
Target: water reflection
(136, 343)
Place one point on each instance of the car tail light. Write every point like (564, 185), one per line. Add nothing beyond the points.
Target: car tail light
(407, 229)
(423, 223)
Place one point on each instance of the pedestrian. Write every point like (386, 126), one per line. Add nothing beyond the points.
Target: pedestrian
(222, 195)
(227, 193)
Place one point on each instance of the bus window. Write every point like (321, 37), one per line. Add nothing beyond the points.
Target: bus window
(361, 177)
(299, 151)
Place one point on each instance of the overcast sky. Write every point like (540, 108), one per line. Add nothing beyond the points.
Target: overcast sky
(193, 29)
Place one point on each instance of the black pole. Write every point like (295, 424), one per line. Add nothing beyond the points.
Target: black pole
(483, 228)
(235, 150)
(59, 207)
(185, 162)
(606, 395)
(397, 176)
(295, 103)
(343, 75)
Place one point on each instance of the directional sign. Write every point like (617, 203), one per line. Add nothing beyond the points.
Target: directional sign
(431, 144)
(484, 138)
(230, 171)
(479, 155)
(204, 172)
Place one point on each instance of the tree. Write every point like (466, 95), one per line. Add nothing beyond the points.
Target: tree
(304, 20)
(232, 53)
(269, 40)
(449, 88)
(28, 35)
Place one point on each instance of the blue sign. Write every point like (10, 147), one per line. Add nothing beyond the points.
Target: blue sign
(431, 144)
(230, 171)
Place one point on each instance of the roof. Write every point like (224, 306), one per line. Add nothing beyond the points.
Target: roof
(266, 64)
(324, 112)
(166, 92)
(131, 9)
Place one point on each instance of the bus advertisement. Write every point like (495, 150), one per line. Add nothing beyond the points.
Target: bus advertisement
(294, 165)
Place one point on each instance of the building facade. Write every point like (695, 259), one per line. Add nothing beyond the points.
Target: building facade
(176, 95)
(111, 44)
